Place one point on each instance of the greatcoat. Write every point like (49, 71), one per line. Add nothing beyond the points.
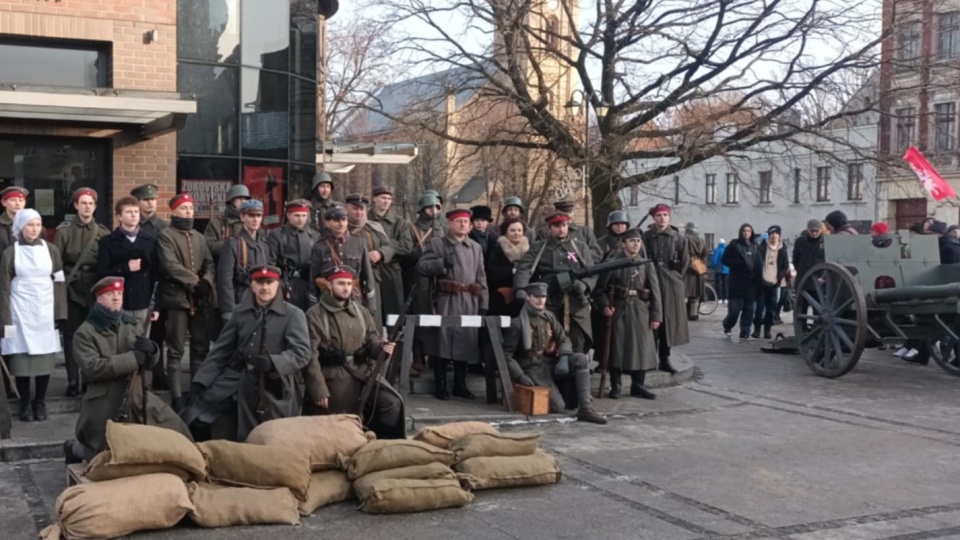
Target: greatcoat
(375, 239)
(398, 231)
(419, 233)
(78, 244)
(183, 256)
(693, 282)
(351, 250)
(291, 248)
(632, 345)
(667, 250)
(233, 271)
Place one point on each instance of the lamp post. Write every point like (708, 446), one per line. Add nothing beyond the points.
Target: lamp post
(579, 99)
(325, 10)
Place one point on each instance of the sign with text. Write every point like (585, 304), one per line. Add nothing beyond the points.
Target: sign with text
(209, 196)
(266, 185)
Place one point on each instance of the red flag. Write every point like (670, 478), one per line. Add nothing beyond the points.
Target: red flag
(931, 180)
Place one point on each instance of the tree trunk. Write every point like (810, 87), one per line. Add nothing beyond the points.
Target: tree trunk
(605, 198)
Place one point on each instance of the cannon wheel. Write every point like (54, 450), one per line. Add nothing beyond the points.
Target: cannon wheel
(946, 353)
(830, 320)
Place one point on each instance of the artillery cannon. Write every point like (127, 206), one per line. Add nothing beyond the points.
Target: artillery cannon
(866, 296)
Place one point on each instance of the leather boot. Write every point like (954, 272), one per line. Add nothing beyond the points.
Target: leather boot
(460, 389)
(24, 411)
(69, 455)
(175, 404)
(766, 333)
(440, 379)
(585, 413)
(615, 383)
(756, 332)
(637, 388)
(39, 410)
(666, 367)
(73, 389)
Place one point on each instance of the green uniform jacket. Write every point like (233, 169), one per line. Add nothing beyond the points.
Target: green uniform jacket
(419, 234)
(375, 238)
(292, 248)
(78, 244)
(350, 250)
(319, 207)
(532, 362)
(182, 255)
(6, 277)
(219, 228)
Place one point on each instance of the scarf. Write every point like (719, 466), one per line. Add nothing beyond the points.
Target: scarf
(334, 305)
(770, 263)
(424, 221)
(181, 224)
(231, 212)
(102, 317)
(525, 314)
(356, 223)
(131, 235)
(513, 252)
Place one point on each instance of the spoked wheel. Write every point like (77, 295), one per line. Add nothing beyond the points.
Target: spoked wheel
(946, 353)
(709, 303)
(830, 320)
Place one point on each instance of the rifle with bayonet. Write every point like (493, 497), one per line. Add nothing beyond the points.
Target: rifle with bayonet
(563, 280)
(393, 336)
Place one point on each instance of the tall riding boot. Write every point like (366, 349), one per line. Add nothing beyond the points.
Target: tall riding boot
(460, 389)
(440, 379)
(23, 413)
(756, 331)
(637, 388)
(615, 382)
(39, 409)
(585, 413)
(766, 332)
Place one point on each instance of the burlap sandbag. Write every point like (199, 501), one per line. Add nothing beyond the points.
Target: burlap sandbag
(441, 436)
(119, 507)
(137, 444)
(100, 470)
(495, 444)
(223, 506)
(392, 454)
(394, 496)
(505, 471)
(363, 486)
(326, 487)
(325, 437)
(254, 465)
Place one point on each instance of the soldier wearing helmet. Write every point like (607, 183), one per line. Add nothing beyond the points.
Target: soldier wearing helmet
(321, 199)
(617, 224)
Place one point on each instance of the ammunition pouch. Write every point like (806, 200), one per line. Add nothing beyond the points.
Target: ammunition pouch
(332, 357)
(362, 355)
(454, 287)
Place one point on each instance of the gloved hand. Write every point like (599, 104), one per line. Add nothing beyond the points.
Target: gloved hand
(196, 389)
(563, 366)
(449, 260)
(141, 358)
(144, 345)
(203, 289)
(482, 312)
(580, 287)
(524, 380)
(520, 295)
(262, 363)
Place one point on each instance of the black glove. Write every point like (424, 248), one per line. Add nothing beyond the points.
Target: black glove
(196, 389)
(141, 358)
(449, 260)
(203, 289)
(144, 345)
(562, 368)
(580, 287)
(520, 295)
(524, 380)
(483, 312)
(262, 363)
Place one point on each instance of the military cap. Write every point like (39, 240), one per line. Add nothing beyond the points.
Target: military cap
(265, 271)
(631, 233)
(237, 190)
(251, 206)
(337, 212)
(146, 191)
(382, 190)
(658, 209)
(564, 206)
(77, 193)
(179, 199)
(107, 284)
(481, 212)
(617, 216)
(458, 213)
(427, 201)
(14, 192)
(322, 178)
(339, 271)
(557, 217)
(537, 289)
(297, 205)
(514, 201)
(357, 199)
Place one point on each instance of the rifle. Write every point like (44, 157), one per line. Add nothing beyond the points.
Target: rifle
(262, 377)
(141, 375)
(565, 278)
(393, 336)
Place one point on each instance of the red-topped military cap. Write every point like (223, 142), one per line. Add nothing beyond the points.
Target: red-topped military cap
(179, 199)
(557, 217)
(458, 213)
(264, 272)
(107, 284)
(84, 191)
(340, 271)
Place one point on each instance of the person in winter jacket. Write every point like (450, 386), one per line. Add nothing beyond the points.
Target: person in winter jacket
(808, 249)
(950, 246)
(720, 272)
(743, 258)
(776, 266)
(880, 235)
(837, 223)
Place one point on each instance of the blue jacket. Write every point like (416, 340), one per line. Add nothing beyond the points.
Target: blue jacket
(717, 257)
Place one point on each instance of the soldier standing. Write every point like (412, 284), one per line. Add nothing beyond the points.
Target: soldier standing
(321, 200)
(456, 263)
(583, 234)
(78, 243)
(185, 291)
(151, 224)
(418, 234)
(630, 299)
(380, 250)
(693, 279)
(550, 260)
(339, 247)
(344, 343)
(667, 249)
(398, 231)
(14, 199)
(220, 228)
(617, 224)
(246, 250)
(539, 353)
(292, 245)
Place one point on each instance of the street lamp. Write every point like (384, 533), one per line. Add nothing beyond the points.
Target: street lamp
(579, 99)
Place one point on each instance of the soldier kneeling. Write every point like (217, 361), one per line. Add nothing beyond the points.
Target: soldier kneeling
(344, 343)
(539, 353)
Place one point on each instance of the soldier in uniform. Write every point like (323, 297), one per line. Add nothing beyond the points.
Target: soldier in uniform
(380, 251)
(441, 219)
(266, 337)
(539, 353)
(221, 228)
(78, 243)
(321, 200)
(398, 231)
(338, 246)
(583, 234)
(344, 344)
(111, 349)
(617, 224)
(14, 199)
(291, 246)
(630, 299)
(249, 248)
(418, 234)
(456, 264)
(185, 291)
(549, 260)
(151, 224)
(693, 281)
(666, 247)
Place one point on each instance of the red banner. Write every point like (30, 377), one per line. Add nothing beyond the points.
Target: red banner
(930, 179)
(266, 185)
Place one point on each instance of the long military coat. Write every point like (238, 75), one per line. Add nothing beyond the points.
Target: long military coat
(583, 234)
(346, 327)
(609, 246)
(79, 247)
(153, 225)
(693, 282)
(531, 362)
(632, 346)
(292, 248)
(105, 355)
(233, 271)
(182, 256)
(220, 228)
(455, 342)
(398, 232)
(376, 239)
(285, 338)
(418, 234)
(350, 249)
(555, 257)
(667, 249)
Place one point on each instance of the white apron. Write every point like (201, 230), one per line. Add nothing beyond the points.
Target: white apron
(31, 303)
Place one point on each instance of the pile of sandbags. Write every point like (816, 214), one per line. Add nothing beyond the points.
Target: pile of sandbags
(499, 460)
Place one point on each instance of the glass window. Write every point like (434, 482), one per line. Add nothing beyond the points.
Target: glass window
(264, 120)
(209, 30)
(303, 33)
(213, 128)
(855, 181)
(823, 184)
(711, 197)
(300, 181)
(266, 34)
(906, 128)
(948, 35)
(946, 126)
(55, 63)
(303, 120)
(908, 43)
(266, 181)
(208, 180)
(733, 189)
(766, 184)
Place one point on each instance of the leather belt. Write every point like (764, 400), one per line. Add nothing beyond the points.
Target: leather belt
(455, 287)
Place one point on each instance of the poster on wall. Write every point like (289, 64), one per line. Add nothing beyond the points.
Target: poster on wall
(266, 185)
(208, 196)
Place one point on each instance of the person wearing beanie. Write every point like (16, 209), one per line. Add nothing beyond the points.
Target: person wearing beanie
(776, 267)
(693, 279)
(808, 249)
(720, 271)
(837, 223)
(667, 249)
(743, 258)
(880, 234)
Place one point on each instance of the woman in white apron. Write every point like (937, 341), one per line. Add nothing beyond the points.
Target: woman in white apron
(32, 298)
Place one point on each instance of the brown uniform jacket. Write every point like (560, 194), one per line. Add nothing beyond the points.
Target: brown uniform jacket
(220, 228)
(351, 250)
(183, 256)
(79, 247)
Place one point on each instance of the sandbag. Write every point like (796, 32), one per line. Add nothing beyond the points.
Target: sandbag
(392, 454)
(254, 465)
(397, 495)
(119, 507)
(494, 444)
(223, 506)
(363, 486)
(100, 470)
(326, 487)
(441, 436)
(325, 437)
(137, 444)
(503, 471)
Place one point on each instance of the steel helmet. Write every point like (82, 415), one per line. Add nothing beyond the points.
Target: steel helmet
(514, 201)
(435, 193)
(427, 201)
(617, 216)
(237, 190)
(320, 178)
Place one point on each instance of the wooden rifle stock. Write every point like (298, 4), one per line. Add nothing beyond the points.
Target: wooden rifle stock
(394, 335)
(262, 377)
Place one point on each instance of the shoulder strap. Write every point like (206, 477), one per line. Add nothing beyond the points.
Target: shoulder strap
(536, 261)
(334, 255)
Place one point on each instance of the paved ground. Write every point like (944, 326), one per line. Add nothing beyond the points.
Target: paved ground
(755, 447)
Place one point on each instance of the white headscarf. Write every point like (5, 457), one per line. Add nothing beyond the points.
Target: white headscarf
(22, 218)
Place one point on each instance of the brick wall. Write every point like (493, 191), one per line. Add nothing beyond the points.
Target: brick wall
(136, 66)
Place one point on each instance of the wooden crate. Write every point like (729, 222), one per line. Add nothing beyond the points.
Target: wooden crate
(75, 474)
(533, 400)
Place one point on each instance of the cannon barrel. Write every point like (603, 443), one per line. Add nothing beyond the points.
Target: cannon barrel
(923, 292)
